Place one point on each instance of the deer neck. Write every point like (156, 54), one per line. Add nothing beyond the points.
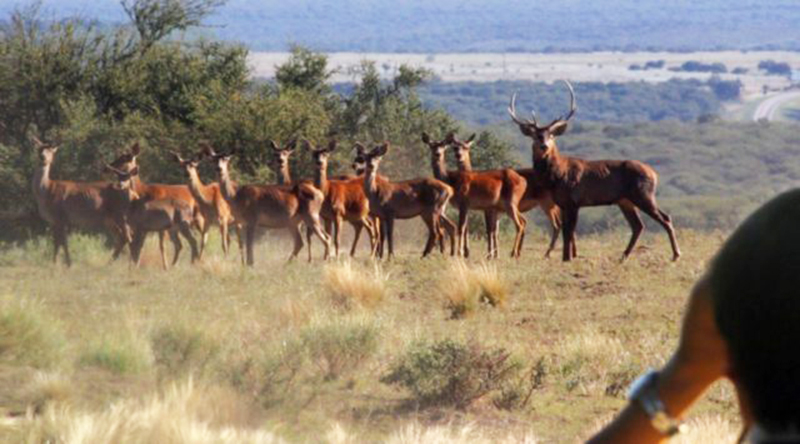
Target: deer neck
(321, 178)
(284, 175)
(371, 181)
(197, 188)
(466, 163)
(439, 166)
(227, 186)
(553, 166)
(41, 179)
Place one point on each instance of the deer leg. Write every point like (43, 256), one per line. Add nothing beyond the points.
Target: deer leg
(635, 221)
(226, 238)
(650, 208)
(186, 231)
(297, 236)
(357, 226)
(309, 232)
(489, 218)
(176, 241)
(554, 215)
(337, 232)
(250, 234)
(450, 228)
(428, 218)
(390, 236)
(570, 218)
(136, 247)
(463, 247)
(519, 223)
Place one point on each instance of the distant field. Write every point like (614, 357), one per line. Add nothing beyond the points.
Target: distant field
(578, 67)
(259, 343)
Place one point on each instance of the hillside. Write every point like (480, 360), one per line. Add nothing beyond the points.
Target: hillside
(488, 26)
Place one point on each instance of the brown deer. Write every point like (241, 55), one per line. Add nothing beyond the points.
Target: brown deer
(271, 206)
(281, 162)
(67, 204)
(145, 215)
(535, 195)
(127, 161)
(209, 199)
(344, 200)
(577, 183)
(489, 191)
(427, 198)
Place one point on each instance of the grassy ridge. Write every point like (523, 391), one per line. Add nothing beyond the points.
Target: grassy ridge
(286, 356)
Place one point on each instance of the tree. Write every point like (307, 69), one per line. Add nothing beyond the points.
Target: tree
(305, 69)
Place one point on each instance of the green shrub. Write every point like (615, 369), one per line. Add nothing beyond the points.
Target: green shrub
(27, 337)
(340, 345)
(452, 373)
(180, 349)
(120, 356)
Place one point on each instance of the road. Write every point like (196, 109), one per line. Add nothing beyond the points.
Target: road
(769, 107)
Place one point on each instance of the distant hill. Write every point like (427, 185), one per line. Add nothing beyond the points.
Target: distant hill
(488, 25)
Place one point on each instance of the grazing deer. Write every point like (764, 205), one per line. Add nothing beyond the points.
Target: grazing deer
(577, 183)
(145, 215)
(66, 204)
(427, 198)
(490, 191)
(344, 200)
(151, 191)
(271, 206)
(209, 199)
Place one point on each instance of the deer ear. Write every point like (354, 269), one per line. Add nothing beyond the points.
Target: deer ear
(136, 149)
(332, 146)
(426, 138)
(290, 147)
(383, 149)
(559, 128)
(274, 145)
(471, 138)
(360, 149)
(177, 157)
(526, 130)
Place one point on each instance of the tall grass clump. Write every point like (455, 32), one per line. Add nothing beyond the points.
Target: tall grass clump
(452, 373)
(466, 288)
(121, 354)
(183, 414)
(340, 345)
(467, 434)
(350, 286)
(592, 361)
(27, 335)
(180, 349)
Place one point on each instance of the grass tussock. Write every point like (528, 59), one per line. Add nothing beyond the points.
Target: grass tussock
(351, 286)
(713, 428)
(466, 288)
(180, 349)
(591, 361)
(121, 354)
(48, 388)
(467, 434)
(27, 335)
(340, 345)
(180, 415)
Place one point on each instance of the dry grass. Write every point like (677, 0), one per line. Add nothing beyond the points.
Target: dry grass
(466, 287)
(180, 415)
(352, 286)
(260, 342)
(713, 428)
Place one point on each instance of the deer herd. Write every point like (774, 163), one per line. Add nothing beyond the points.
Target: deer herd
(559, 185)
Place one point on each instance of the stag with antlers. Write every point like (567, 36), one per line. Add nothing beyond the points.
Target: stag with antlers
(577, 183)
(270, 206)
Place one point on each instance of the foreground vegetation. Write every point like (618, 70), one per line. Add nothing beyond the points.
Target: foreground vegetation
(529, 349)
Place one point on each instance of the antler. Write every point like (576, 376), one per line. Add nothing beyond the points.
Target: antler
(512, 110)
(572, 106)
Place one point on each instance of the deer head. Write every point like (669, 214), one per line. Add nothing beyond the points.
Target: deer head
(360, 161)
(544, 137)
(373, 158)
(321, 155)
(438, 147)
(283, 153)
(221, 161)
(124, 184)
(47, 151)
(127, 160)
(189, 165)
(461, 149)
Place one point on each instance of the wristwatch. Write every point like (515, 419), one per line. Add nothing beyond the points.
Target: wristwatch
(643, 390)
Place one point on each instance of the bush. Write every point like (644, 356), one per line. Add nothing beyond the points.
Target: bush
(451, 373)
(27, 337)
(121, 356)
(340, 345)
(180, 349)
(775, 68)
